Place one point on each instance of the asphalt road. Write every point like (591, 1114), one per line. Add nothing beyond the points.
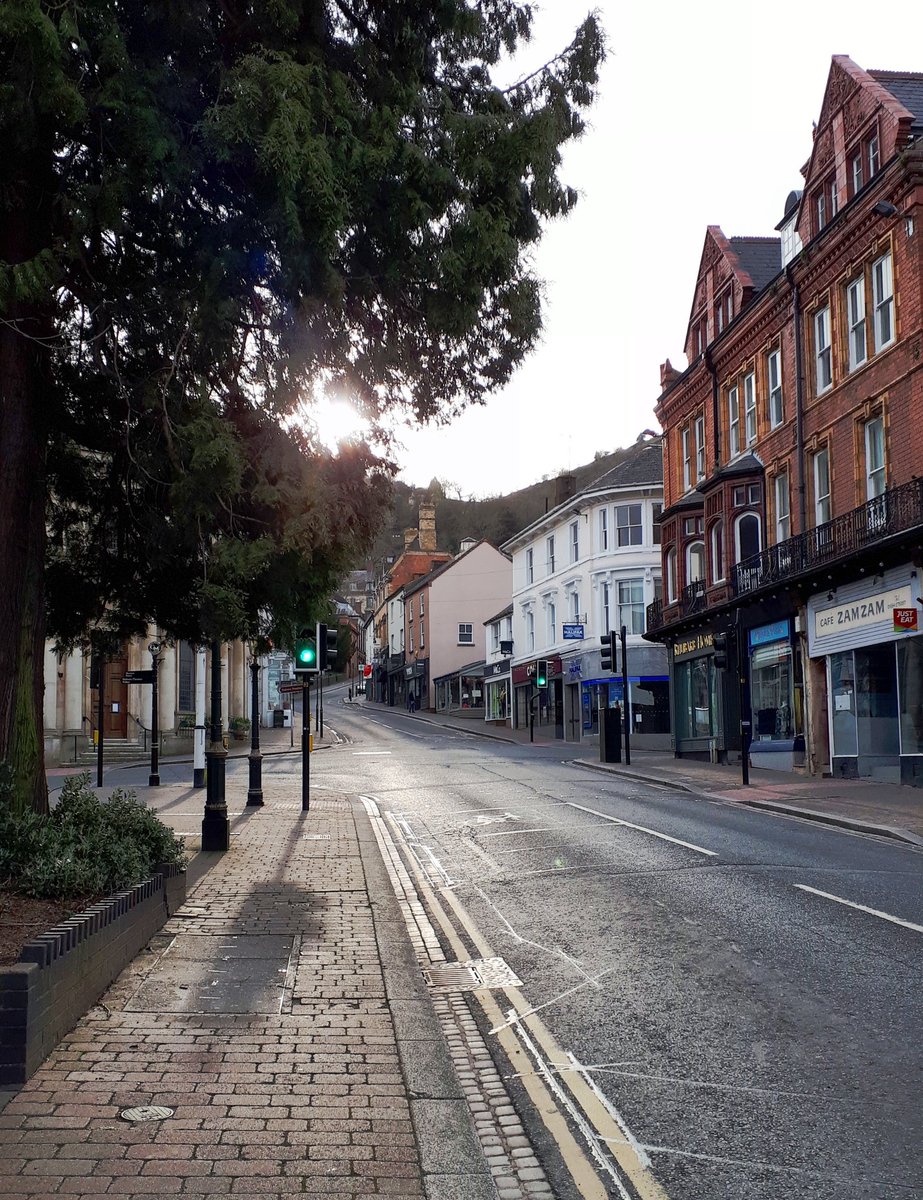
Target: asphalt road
(715, 968)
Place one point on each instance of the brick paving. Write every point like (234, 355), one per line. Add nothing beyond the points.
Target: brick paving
(285, 1077)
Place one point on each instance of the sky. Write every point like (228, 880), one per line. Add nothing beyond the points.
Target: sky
(704, 117)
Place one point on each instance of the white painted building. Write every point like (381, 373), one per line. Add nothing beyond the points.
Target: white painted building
(590, 565)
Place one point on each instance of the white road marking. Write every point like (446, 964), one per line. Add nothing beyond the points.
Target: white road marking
(643, 829)
(873, 912)
(517, 832)
(370, 753)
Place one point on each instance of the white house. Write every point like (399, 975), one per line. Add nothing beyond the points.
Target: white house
(590, 565)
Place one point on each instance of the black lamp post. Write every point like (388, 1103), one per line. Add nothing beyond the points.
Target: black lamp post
(153, 780)
(255, 790)
(216, 828)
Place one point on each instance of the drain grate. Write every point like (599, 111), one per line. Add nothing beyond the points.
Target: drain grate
(147, 1112)
(471, 975)
(317, 837)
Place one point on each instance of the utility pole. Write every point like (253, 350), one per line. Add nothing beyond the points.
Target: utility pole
(626, 705)
(305, 744)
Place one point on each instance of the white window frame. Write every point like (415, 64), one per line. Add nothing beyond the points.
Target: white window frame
(875, 465)
(421, 606)
(549, 551)
(656, 510)
(856, 164)
(783, 513)
(734, 443)
(697, 549)
(465, 641)
(670, 567)
(774, 384)
(638, 525)
(873, 155)
(530, 566)
(575, 541)
(687, 458)
(631, 606)
(422, 636)
(575, 597)
(604, 529)
(883, 301)
(604, 616)
(750, 426)
(759, 528)
(699, 449)
(823, 353)
(530, 630)
(495, 637)
(820, 468)
(552, 622)
(855, 321)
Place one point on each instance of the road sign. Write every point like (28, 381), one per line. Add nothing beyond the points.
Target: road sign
(138, 677)
(289, 687)
(572, 633)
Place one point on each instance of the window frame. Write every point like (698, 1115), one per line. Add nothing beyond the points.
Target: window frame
(552, 622)
(782, 507)
(735, 445)
(699, 428)
(774, 399)
(718, 555)
(823, 351)
(575, 541)
(876, 480)
(823, 508)
(669, 562)
(686, 443)
(873, 154)
(856, 323)
(549, 552)
(697, 547)
(604, 528)
(856, 165)
(469, 641)
(639, 526)
(636, 607)
(751, 425)
(604, 609)
(530, 566)
(656, 510)
(745, 516)
(530, 630)
(882, 303)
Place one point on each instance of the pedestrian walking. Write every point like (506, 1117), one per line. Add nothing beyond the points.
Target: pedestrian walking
(412, 702)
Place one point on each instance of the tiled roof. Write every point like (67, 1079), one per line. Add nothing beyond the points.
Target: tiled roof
(907, 88)
(497, 616)
(760, 257)
(642, 464)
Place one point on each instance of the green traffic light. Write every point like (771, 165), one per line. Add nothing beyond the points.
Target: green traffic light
(306, 655)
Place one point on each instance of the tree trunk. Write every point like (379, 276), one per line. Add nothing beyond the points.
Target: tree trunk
(24, 395)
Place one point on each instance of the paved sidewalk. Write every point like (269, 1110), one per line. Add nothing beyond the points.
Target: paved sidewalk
(861, 804)
(281, 1014)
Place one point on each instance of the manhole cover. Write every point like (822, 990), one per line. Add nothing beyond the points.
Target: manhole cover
(147, 1112)
(468, 976)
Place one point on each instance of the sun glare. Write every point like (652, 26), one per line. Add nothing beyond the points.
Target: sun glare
(335, 421)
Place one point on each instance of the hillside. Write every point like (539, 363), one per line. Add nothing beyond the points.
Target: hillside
(495, 518)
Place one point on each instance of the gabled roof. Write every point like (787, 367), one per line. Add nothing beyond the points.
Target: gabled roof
(425, 580)
(760, 257)
(507, 612)
(907, 89)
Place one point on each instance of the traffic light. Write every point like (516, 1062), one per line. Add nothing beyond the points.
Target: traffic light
(327, 646)
(607, 652)
(721, 652)
(541, 673)
(305, 654)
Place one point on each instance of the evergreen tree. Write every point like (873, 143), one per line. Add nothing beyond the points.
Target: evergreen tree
(207, 210)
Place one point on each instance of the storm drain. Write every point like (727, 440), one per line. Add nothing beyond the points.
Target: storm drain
(471, 975)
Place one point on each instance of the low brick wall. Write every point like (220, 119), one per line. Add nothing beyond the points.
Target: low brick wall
(63, 973)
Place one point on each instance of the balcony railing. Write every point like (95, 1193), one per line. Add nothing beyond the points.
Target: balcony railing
(895, 511)
(654, 616)
(692, 598)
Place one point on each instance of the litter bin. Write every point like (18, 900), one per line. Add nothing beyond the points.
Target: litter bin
(278, 718)
(610, 735)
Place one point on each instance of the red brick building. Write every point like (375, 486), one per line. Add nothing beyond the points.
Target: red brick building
(793, 517)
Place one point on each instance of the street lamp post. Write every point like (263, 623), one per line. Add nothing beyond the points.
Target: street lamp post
(153, 779)
(216, 829)
(255, 790)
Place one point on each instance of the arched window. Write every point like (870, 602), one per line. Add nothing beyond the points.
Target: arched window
(717, 552)
(671, 574)
(748, 537)
(695, 562)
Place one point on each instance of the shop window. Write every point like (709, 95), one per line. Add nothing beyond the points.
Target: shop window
(775, 697)
(843, 704)
(910, 694)
(695, 700)
(498, 703)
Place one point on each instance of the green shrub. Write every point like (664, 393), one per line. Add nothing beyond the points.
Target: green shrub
(85, 846)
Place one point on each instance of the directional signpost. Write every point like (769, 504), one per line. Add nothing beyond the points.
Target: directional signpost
(138, 677)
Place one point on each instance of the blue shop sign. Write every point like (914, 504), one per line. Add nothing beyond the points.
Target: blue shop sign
(778, 631)
(572, 633)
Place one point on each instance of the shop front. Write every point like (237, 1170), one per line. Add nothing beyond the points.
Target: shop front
(543, 705)
(415, 684)
(461, 691)
(648, 696)
(705, 701)
(776, 697)
(868, 634)
(497, 692)
(395, 684)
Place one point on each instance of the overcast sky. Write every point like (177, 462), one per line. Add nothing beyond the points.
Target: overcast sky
(704, 117)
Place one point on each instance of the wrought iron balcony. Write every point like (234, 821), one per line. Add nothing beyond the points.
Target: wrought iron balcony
(654, 616)
(692, 597)
(896, 511)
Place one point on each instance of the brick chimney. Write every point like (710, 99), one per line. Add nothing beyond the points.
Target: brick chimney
(427, 526)
(564, 487)
(668, 375)
(410, 536)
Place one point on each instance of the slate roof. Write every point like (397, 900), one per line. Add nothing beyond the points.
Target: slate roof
(642, 464)
(760, 257)
(507, 612)
(907, 88)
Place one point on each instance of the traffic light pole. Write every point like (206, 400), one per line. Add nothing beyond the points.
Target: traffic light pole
(626, 706)
(743, 693)
(305, 745)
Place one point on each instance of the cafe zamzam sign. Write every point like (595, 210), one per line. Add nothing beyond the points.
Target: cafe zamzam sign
(855, 614)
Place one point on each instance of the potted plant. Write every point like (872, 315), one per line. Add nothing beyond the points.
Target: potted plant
(240, 727)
